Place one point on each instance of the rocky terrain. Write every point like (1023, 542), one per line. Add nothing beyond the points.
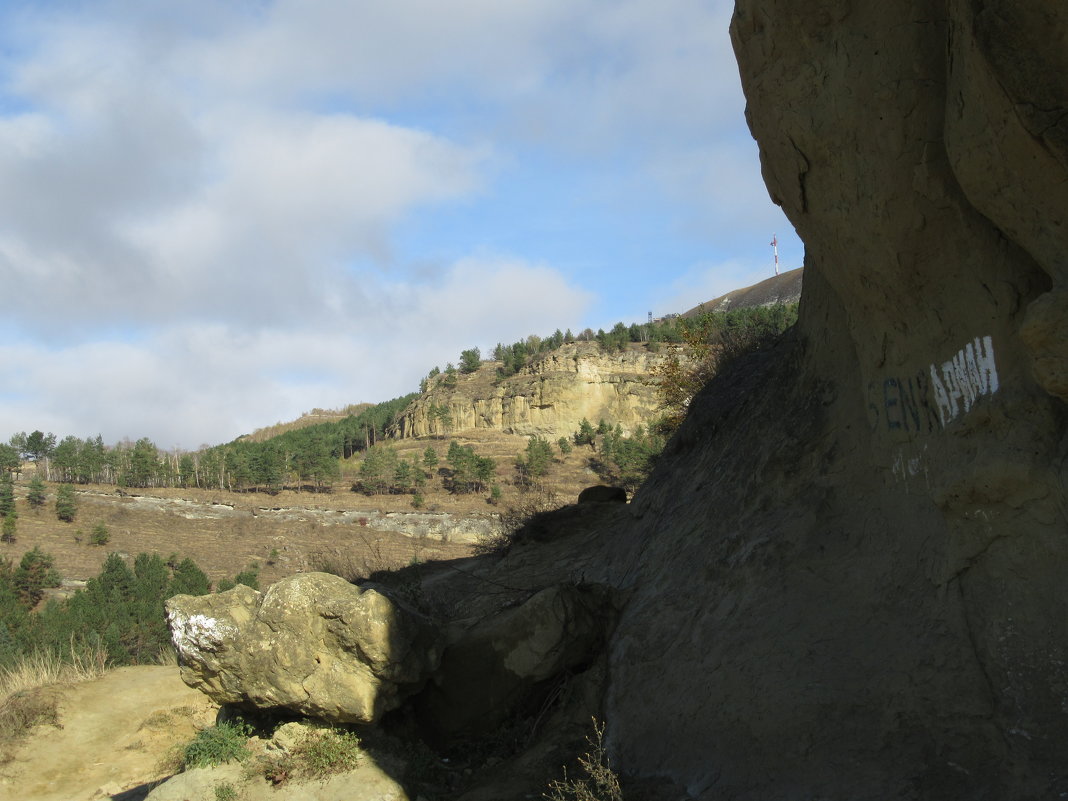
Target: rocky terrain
(845, 578)
(549, 398)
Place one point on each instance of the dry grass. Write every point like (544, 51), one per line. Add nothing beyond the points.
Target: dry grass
(223, 531)
(25, 697)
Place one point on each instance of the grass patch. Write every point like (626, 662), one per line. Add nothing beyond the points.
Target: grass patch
(318, 754)
(215, 745)
(328, 752)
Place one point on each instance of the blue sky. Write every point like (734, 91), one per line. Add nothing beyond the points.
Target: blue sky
(218, 215)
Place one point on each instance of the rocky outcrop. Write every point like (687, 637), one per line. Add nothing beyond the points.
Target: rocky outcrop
(549, 398)
(312, 644)
(851, 555)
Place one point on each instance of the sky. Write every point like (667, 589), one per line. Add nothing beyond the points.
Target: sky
(216, 215)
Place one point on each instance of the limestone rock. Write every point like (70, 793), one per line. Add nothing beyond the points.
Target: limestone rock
(312, 643)
(550, 398)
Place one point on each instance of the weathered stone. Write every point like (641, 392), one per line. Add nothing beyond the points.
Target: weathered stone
(550, 398)
(850, 581)
(493, 666)
(312, 643)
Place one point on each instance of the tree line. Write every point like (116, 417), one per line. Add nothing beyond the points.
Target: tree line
(307, 456)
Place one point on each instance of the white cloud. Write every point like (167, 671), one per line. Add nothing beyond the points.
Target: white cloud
(200, 202)
(186, 384)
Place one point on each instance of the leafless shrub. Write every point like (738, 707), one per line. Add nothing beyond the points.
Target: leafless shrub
(600, 782)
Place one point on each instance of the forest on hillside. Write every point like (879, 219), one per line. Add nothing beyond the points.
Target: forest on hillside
(310, 456)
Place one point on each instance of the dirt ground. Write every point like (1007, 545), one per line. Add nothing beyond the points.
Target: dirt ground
(112, 736)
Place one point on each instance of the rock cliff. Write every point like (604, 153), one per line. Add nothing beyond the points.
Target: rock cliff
(549, 398)
(864, 534)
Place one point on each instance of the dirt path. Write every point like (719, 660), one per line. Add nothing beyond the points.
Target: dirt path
(115, 732)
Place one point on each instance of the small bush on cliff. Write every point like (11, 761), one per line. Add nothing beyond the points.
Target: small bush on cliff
(215, 745)
(600, 782)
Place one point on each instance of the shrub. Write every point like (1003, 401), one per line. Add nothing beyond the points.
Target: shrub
(225, 792)
(714, 340)
(66, 504)
(10, 528)
(600, 782)
(99, 535)
(224, 742)
(36, 495)
(327, 752)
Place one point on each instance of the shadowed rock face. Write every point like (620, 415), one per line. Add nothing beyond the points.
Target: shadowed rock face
(852, 556)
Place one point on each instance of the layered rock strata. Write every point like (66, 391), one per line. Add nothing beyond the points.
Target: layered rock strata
(549, 398)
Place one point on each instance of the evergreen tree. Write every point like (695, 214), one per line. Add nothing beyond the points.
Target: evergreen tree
(10, 528)
(33, 575)
(36, 496)
(66, 503)
(7, 495)
(188, 579)
(430, 458)
(585, 434)
(9, 458)
(470, 360)
(534, 462)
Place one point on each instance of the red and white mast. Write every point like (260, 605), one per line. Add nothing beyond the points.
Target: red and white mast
(775, 246)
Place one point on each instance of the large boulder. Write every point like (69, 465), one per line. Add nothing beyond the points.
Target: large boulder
(312, 643)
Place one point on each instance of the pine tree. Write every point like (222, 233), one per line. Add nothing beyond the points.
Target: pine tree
(37, 494)
(66, 503)
(10, 527)
(7, 495)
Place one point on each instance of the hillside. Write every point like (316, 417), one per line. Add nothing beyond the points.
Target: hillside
(784, 288)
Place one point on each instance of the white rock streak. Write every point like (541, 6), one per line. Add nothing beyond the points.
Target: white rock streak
(198, 633)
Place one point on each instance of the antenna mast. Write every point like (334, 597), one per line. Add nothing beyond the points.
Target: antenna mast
(775, 245)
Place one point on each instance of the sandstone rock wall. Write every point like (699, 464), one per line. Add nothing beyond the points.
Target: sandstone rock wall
(850, 582)
(550, 398)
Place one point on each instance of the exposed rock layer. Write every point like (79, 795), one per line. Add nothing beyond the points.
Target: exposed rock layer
(549, 398)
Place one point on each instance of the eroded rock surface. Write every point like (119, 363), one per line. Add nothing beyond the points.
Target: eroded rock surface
(549, 398)
(312, 643)
(857, 542)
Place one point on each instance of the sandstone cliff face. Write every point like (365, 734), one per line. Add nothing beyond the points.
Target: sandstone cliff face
(864, 537)
(550, 398)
